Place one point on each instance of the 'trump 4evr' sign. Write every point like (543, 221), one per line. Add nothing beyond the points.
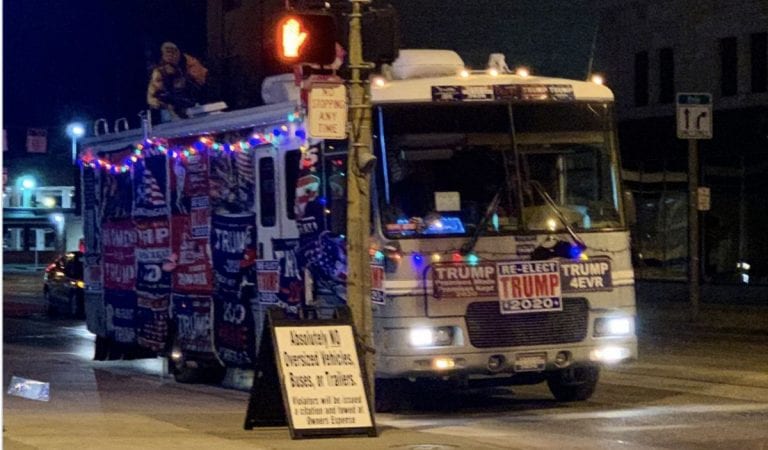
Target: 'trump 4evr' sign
(327, 107)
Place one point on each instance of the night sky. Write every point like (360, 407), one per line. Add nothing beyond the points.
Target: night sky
(88, 59)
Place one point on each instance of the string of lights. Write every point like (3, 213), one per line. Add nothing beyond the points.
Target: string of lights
(153, 147)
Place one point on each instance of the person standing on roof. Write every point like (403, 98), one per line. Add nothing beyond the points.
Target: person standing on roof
(175, 82)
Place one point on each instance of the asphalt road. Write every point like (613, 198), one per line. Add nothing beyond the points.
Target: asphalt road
(689, 390)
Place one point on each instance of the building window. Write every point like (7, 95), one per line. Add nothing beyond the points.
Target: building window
(759, 54)
(728, 66)
(641, 79)
(666, 76)
(13, 239)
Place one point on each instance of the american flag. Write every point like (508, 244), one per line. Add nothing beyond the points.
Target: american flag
(326, 258)
(244, 164)
(152, 194)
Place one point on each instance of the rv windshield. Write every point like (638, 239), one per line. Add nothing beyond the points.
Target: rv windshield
(446, 170)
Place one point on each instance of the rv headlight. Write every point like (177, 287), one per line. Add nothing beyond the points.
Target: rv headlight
(431, 337)
(613, 326)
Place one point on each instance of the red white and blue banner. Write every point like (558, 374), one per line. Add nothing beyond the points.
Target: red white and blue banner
(233, 238)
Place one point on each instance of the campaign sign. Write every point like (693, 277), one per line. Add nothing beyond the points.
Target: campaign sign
(192, 315)
(378, 294)
(268, 280)
(587, 276)
(457, 280)
(121, 315)
(119, 256)
(529, 286)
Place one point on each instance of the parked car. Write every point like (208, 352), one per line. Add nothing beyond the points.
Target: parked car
(63, 285)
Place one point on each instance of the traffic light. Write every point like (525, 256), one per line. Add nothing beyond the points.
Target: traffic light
(306, 38)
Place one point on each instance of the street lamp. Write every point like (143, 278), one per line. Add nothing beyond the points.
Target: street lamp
(75, 130)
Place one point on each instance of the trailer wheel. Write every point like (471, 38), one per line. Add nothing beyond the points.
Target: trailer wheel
(50, 308)
(214, 373)
(574, 384)
(177, 365)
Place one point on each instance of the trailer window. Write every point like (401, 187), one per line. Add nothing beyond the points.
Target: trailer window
(267, 201)
(292, 159)
(335, 192)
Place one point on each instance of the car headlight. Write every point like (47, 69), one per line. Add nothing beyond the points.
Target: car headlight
(613, 326)
(431, 337)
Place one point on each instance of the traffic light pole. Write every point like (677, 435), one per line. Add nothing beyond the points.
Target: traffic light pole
(359, 162)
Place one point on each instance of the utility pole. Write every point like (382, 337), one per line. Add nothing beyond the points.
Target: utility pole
(360, 161)
(694, 122)
(693, 228)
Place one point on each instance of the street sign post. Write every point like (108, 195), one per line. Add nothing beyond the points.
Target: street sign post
(694, 122)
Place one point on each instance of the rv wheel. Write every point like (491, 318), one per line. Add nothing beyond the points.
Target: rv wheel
(575, 383)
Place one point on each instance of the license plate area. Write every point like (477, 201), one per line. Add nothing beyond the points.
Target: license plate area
(530, 362)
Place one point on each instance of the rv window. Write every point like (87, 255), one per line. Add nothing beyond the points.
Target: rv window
(292, 159)
(335, 193)
(267, 201)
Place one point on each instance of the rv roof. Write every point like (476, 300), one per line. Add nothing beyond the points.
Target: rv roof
(420, 89)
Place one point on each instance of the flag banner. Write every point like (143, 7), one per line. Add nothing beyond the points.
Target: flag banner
(153, 281)
(323, 255)
(192, 314)
(116, 191)
(233, 239)
(152, 319)
(150, 187)
(121, 315)
(189, 181)
(234, 329)
(153, 255)
(290, 296)
(37, 140)
(190, 259)
(232, 182)
(91, 209)
(119, 258)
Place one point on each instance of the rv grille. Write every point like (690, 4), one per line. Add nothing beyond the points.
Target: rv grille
(489, 328)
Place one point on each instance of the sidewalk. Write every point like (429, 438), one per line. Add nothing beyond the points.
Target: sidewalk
(23, 268)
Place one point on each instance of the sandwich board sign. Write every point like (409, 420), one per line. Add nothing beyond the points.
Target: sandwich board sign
(321, 378)
(694, 115)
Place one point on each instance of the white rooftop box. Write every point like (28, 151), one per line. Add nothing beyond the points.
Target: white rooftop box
(421, 63)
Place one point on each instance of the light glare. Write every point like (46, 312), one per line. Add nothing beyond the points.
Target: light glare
(422, 337)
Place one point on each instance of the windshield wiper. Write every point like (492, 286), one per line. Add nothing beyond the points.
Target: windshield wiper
(551, 203)
(470, 244)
